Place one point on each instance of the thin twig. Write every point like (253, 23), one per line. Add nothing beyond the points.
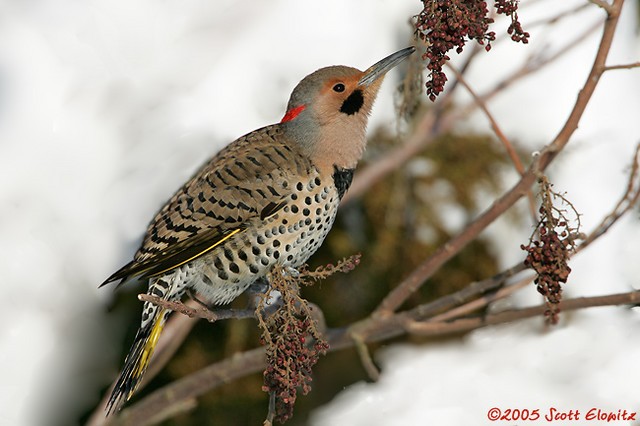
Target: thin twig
(628, 200)
(551, 20)
(603, 4)
(464, 295)
(535, 63)
(492, 285)
(482, 301)
(513, 155)
(365, 357)
(622, 67)
(467, 324)
(201, 312)
(271, 413)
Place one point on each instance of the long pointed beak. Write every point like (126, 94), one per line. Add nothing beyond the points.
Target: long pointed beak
(380, 68)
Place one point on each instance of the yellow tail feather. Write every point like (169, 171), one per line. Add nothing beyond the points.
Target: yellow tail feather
(149, 347)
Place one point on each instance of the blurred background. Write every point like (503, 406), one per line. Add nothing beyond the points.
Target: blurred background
(107, 107)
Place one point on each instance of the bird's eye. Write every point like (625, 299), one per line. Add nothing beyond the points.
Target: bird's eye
(338, 88)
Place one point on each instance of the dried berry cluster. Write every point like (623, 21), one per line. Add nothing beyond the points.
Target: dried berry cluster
(549, 255)
(448, 24)
(510, 8)
(290, 358)
(290, 335)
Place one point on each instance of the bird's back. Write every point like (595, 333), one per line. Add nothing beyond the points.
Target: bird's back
(242, 185)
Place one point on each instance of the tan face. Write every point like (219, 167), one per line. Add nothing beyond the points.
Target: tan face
(341, 99)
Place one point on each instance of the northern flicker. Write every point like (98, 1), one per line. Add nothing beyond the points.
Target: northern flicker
(269, 198)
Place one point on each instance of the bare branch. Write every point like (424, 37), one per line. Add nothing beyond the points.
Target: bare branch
(603, 4)
(533, 64)
(159, 404)
(513, 155)
(622, 67)
(271, 413)
(553, 19)
(424, 271)
(482, 302)
(628, 200)
(467, 324)
(201, 312)
(462, 296)
(365, 357)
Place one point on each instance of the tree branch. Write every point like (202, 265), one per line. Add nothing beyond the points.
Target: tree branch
(482, 302)
(200, 312)
(424, 271)
(628, 200)
(513, 155)
(468, 324)
(159, 404)
(533, 64)
(603, 4)
(365, 358)
(622, 67)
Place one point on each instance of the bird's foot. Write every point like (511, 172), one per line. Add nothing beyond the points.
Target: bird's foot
(194, 296)
(291, 271)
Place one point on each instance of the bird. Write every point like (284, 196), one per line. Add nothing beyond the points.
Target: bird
(267, 199)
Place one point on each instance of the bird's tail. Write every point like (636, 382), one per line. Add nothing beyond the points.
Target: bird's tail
(137, 361)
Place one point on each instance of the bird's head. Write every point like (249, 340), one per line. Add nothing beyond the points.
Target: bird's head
(328, 111)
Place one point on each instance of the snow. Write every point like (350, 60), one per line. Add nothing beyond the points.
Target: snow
(107, 106)
(517, 366)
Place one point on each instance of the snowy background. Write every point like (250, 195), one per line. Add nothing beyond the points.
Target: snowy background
(107, 106)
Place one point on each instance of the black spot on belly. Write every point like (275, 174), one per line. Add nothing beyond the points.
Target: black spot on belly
(353, 103)
(242, 255)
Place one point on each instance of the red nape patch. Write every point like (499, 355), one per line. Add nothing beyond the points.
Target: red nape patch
(292, 113)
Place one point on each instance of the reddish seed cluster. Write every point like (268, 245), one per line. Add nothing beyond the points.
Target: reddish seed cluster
(448, 24)
(289, 361)
(548, 257)
(292, 341)
(510, 8)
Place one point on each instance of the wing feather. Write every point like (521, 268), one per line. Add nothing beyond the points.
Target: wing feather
(245, 183)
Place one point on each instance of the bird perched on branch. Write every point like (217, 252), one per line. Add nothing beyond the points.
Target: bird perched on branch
(269, 198)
